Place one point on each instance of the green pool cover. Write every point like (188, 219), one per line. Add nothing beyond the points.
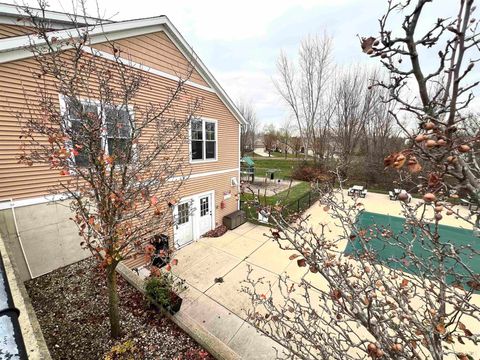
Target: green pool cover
(386, 251)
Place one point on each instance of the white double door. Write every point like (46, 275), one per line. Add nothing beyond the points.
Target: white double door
(194, 216)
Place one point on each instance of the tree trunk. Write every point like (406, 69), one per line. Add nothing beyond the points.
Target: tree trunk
(113, 310)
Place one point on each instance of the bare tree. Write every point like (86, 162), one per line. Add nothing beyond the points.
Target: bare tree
(117, 153)
(303, 87)
(296, 144)
(354, 104)
(249, 132)
(370, 289)
(270, 138)
(285, 135)
(382, 135)
(443, 87)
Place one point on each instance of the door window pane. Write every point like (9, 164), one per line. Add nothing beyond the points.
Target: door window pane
(183, 213)
(204, 208)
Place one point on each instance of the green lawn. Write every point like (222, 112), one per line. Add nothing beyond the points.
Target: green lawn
(395, 255)
(285, 197)
(285, 167)
(277, 155)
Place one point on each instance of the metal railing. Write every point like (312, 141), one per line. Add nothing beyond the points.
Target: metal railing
(295, 206)
(300, 204)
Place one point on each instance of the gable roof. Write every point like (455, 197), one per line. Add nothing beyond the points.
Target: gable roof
(19, 47)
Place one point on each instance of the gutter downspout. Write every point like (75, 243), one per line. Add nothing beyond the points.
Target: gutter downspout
(12, 206)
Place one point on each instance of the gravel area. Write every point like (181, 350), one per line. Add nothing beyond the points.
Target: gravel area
(71, 306)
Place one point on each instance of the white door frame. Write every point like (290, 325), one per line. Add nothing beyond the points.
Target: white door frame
(176, 226)
(195, 217)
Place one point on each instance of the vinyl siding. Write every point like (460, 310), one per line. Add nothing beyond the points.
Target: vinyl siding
(18, 84)
(155, 51)
(219, 183)
(7, 30)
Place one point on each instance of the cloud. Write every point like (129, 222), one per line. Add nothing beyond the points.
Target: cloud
(240, 41)
(219, 20)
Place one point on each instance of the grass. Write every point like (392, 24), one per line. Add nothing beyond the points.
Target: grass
(277, 155)
(285, 166)
(296, 191)
(284, 197)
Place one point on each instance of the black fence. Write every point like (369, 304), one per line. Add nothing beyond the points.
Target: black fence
(300, 204)
(292, 207)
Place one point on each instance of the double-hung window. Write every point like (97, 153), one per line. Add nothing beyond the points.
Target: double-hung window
(203, 134)
(113, 126)
(118, 133)
(78, 116)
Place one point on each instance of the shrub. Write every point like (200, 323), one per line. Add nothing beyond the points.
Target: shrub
(159, 289)
(307, 172)
(123, 351)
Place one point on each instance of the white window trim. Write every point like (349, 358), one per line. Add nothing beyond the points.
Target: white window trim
(204, 141)
(104, 136)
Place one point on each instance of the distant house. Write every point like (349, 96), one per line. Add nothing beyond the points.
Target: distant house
(39, 234)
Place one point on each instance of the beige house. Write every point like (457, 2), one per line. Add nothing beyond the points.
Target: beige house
(35, 226)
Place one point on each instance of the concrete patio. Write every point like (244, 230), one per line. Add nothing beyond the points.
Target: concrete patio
(214, 268)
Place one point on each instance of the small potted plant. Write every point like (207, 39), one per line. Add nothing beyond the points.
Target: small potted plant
(160, 290)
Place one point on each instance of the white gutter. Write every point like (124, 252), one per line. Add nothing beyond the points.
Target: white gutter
(16, 12)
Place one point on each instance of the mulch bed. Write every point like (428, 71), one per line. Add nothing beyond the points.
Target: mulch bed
(217, 232)
(71, 306)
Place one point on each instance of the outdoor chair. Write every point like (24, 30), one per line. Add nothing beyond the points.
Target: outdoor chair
(391, 195)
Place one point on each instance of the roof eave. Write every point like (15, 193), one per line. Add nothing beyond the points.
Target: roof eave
(19, 47)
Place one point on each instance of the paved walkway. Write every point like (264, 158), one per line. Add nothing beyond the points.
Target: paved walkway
(214, 268)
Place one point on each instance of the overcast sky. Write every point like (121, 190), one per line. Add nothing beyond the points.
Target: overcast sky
(240, 41)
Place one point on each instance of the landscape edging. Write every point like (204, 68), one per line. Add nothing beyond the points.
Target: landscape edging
(31, 331)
